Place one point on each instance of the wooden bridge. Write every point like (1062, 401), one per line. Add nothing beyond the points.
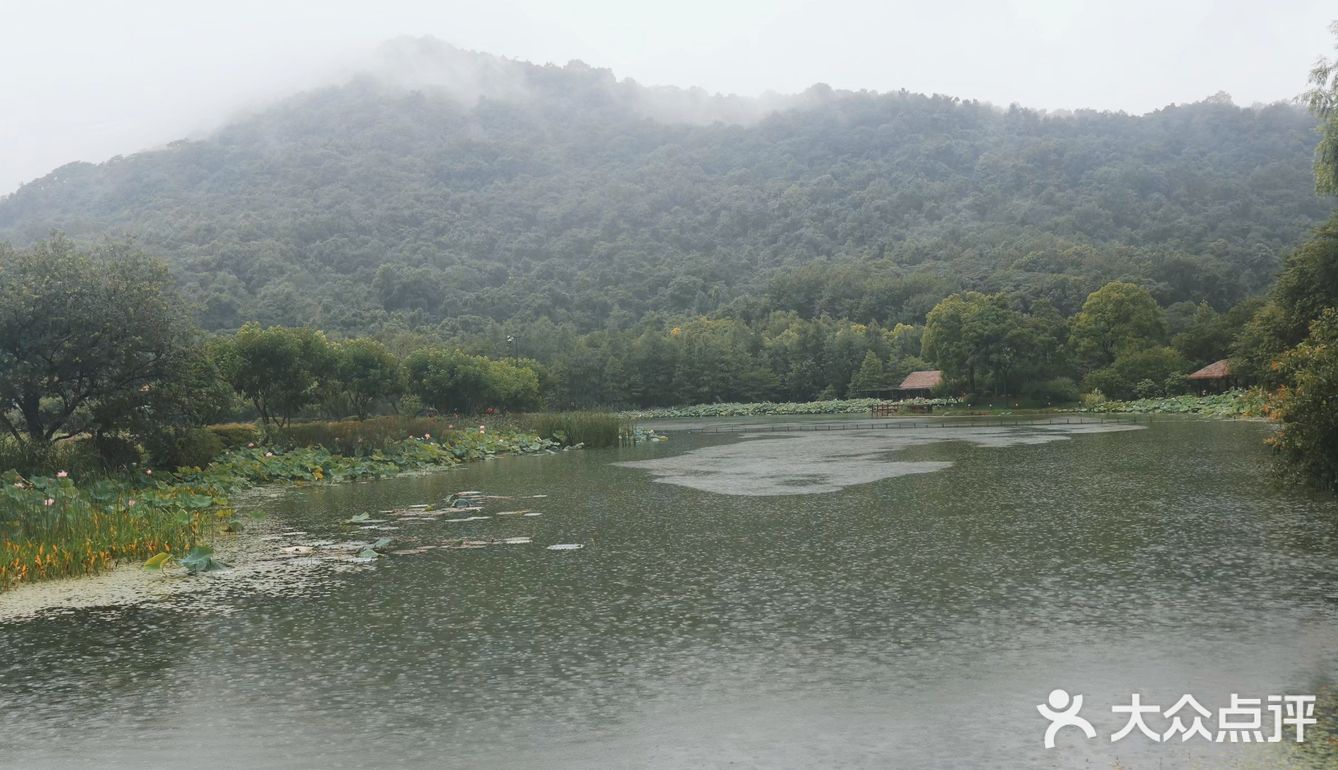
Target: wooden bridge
(893, 424)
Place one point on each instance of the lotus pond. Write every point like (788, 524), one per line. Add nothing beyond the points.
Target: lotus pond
(865, 598)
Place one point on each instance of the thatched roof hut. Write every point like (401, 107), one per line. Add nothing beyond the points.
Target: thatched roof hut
(1214, 377)
(1217, 370)
(921, 383)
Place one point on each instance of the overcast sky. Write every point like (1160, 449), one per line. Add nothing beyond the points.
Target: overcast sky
(89, 79)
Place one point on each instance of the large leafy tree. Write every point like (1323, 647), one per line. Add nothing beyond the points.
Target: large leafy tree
(279, 370)
(981, 339)
(1259, 343)
(446, 379)
(512, 384)
(366, 373)
(1309, 282)
(82, 332)
(1116, 318)
(1322, 99)
(450, 379)
(946, 340)
(1308, 438)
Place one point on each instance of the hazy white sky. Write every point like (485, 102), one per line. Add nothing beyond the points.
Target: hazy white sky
(89, 79)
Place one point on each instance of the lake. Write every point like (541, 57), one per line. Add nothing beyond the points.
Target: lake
(875, 598)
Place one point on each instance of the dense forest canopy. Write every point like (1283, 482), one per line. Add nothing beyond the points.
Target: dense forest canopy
(564, 197)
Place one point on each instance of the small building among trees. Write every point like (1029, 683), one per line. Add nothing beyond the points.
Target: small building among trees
(920, 384)
(1215, 377)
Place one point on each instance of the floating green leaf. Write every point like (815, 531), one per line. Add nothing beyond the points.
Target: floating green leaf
(201, 559)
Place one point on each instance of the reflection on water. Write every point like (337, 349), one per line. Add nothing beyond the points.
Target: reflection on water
(910, 621)
(815, 462)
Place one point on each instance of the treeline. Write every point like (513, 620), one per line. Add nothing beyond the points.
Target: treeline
(1120, 342)
(283, 373)
(369, 207)
(98, 345)
(101, 344)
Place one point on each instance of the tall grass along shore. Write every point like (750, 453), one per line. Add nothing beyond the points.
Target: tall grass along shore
(66, 514)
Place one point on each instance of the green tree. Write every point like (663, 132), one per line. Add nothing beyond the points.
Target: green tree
(83, 333)
(650, 370)
(714, 361)
(1260, 342)
(946, 340)
(845, 352)
(511, 385)
(195, 395)
(1306, 286)
(870, 379)
(367, 373)
(980, 339)
(1116, 318)
(1137, 373)
(1308, 282)
(1206, 338)
(446, 379)
(1322, 99)
(1308, 438)
(279, 370)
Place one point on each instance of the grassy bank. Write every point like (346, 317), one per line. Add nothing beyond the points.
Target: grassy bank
(590, 429)
(835, 406)
(65, 524)
(1234, 403)
(55, 527)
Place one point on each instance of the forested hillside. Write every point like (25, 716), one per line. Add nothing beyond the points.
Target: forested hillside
(562, 193)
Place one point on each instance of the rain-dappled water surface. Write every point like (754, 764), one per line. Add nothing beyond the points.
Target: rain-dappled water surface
(871, 619)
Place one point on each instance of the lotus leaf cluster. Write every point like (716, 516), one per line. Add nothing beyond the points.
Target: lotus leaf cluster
(1233, 403)
(847, 406)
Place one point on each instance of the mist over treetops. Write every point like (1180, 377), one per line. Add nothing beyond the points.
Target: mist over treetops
(446, 187)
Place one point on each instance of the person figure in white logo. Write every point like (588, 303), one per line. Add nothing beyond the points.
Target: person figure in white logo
(1063, 712)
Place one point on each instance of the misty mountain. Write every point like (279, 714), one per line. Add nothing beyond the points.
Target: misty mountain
(453, 185)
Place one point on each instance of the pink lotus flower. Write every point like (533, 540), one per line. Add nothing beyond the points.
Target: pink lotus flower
(50, 501)
(62, 474)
